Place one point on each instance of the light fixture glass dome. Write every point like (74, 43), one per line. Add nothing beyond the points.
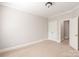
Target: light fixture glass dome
(48, 4)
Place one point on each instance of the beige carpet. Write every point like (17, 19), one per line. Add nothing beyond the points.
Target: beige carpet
(46, 48)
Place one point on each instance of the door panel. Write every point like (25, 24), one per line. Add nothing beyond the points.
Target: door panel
(74, 33)
(53, 31)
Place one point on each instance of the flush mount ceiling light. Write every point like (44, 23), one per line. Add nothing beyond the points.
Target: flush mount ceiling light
(49, 4)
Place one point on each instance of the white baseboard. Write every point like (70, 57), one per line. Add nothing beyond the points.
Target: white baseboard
(20, 46)
(54, 40)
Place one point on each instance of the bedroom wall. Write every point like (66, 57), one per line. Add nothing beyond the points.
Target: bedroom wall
(0, 24)
(19, 28)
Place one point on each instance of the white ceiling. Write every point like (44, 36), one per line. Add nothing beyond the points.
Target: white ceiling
(39, 8)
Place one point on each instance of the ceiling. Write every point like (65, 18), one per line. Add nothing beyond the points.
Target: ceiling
(39, 8)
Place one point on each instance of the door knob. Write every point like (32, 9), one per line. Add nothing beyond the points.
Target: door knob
(76, 34)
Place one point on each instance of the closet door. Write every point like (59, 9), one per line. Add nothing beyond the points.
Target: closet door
(74, 33)
(53, 30)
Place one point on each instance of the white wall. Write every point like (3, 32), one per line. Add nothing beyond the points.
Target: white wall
(20, 28)
(0, 26)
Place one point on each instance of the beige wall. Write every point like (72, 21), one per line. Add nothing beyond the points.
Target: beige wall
(20, 28)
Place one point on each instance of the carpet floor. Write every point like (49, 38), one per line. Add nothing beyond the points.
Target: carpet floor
(45, 48)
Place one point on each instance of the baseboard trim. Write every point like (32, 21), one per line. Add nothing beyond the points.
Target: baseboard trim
(20, 46)
(54, 40)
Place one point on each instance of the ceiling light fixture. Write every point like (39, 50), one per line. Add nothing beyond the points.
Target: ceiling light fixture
(48, 4)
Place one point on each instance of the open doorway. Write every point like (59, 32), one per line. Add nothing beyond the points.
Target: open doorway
(66, 32)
